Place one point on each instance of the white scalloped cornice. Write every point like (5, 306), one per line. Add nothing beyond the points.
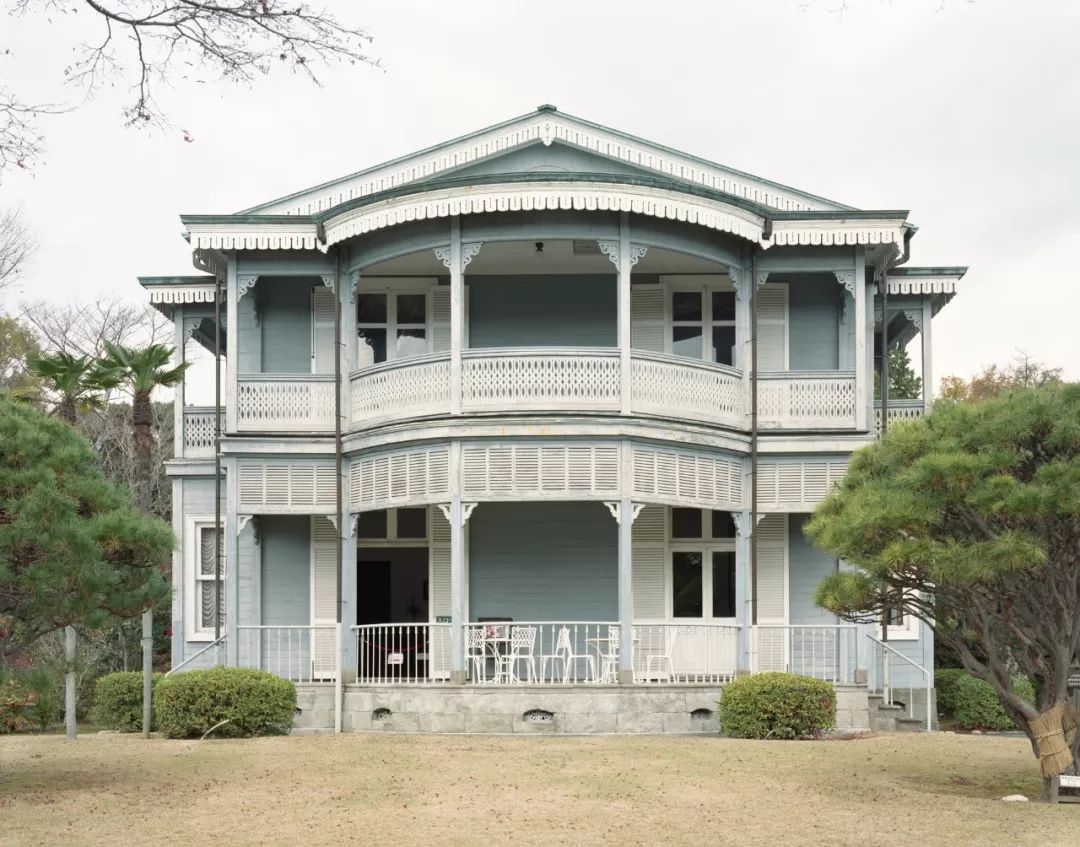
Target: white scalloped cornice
(546, 128)
(838, 233)
(261, 236)
(530, 197)
(923, 284)
(182, 294)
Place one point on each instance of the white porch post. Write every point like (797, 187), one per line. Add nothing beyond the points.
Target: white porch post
(348, 340)
(844, 351)
(863, 378)
(179, 343)
(232, 565)
(927, 351)
(456, 257)
(740, 282)
(623, 266)
(626, 591)
(457, 592)
(742, 590)
(348, 589)
(232, 362)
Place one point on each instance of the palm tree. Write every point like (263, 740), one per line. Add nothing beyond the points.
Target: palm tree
(79, 381)
(143, 370)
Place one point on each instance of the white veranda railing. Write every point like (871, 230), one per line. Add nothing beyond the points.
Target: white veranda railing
(540, 379)
(825, 652)
(396, 390)
(198, 435)
(685, 653)
(900, 411)
(402, 654)
(297, 653)
(806, 400)
(285, 402)
(884, 657)
(674, 387)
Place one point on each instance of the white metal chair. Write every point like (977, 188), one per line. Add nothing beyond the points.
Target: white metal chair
(609, 657)
(475, 651)
(658, 660)
(564, 652)
(520, 649)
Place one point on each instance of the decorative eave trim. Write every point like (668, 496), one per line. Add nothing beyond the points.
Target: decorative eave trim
(269, 235)
(183, 294)
(923, 284)
(545, 127)
(527, 197)
(838, 232)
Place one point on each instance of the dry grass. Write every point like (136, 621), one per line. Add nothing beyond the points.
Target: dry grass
(455, 790)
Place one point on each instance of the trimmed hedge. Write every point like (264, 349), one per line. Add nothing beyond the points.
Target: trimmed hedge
(777, 705)
(249, 702)
(976, 706)
(118, 701)
(945, 680)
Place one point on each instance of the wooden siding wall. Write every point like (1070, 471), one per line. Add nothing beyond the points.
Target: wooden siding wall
(814, 321)
(543, 561)
(286, 570)
(284, 305)
(808, 566)
(543, 311)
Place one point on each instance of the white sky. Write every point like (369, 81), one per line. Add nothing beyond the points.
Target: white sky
(968, 116)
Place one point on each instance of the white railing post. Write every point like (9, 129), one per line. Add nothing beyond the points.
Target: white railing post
(623, 265)
(864, 329)
(927, 351)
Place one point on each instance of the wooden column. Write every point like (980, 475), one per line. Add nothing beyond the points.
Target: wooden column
(232, 565)
(232, 318)
(927, 351)
(179, 343)
(457, 314)
(740, 282)
(623, 266)
(864, 395)
(742, 590)
(626, 511)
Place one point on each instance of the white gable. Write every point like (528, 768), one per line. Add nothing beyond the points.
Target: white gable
(545, 127)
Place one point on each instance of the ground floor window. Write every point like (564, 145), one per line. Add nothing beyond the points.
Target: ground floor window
(701, 572)
(202, 547)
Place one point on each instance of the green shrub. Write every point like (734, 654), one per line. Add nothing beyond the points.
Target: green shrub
(118, 701)
(250, 702)
(978, 707)
(777, 705)
(945, 680)
(15, 703)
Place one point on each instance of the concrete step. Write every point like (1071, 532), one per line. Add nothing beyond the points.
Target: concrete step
(910, 724)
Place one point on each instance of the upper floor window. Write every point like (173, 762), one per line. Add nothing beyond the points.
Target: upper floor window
(390, 326)
(703, 325)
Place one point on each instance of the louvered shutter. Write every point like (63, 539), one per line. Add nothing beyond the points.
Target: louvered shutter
(771, 643)
(772, 327)
(323, 309)
(647, 555)
(647, 318)
(324, 540)
(440, 318)
(440, 663)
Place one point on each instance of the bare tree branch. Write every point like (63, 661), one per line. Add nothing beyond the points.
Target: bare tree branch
(146, 42)
(83, 328)
(16, 245)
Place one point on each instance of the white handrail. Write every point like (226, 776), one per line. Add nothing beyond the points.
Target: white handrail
(194, 656)
(886, 650)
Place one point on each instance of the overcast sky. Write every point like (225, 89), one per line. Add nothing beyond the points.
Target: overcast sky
(968, 116)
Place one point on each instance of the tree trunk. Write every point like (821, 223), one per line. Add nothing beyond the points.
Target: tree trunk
(65, 410)
(142, 423)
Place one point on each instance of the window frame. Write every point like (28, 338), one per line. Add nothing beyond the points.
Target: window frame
(908, 630)
(705, 546)
(392, 325)
(392, 539)
(705, 285)
(194, 524)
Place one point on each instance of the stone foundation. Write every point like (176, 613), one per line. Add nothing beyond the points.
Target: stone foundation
(536, 710)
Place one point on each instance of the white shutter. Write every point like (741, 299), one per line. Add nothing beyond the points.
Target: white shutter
(772, 566)
(440, 318)
(647, 561)
(647, 317)
(323, 313)
(772, 327)
(324, 541)
(440, 594)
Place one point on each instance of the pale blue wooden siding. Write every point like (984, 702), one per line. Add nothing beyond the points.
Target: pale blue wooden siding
(284, 308)
(543, 311)
(807, 566)
(286, 570)
(543, 561)
(814, 322)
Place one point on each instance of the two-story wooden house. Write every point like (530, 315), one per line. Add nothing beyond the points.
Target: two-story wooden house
(522, 430)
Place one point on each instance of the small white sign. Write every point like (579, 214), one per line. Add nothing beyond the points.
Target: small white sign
(395, 658)
(1069, 781)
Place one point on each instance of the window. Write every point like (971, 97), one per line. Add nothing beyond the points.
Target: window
(702, 564)
(392, 525)
(202, 550)
(390, 326)
(902, 626)
(703, 324)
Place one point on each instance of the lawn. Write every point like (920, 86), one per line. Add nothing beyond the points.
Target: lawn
(456, 790)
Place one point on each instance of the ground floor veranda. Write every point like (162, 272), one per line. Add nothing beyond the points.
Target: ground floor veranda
(544, 596)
